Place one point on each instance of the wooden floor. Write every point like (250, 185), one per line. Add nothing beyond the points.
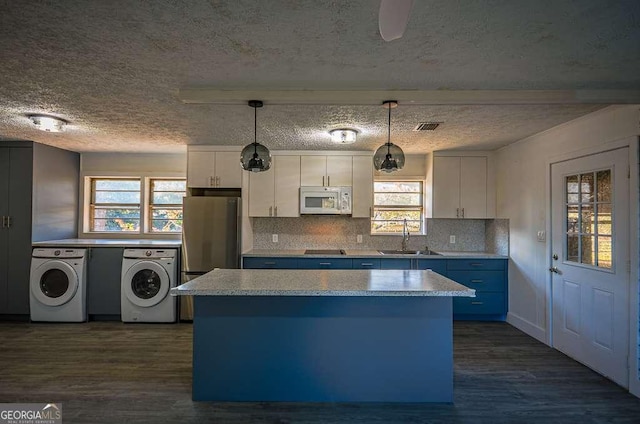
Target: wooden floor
(141, 373)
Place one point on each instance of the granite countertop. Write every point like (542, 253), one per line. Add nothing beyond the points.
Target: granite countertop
(142, 243)
(290, 282)
(352, 253)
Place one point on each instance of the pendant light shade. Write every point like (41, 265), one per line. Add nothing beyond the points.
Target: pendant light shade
(255, 157)
(388, 157)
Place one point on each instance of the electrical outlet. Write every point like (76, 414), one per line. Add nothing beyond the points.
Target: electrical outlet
(274, 238)
(542, 236)
(359, 238)
(452, 239)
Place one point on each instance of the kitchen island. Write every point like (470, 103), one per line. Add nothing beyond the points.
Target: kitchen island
(323, 335)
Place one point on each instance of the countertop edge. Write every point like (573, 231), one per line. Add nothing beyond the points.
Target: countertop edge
(443, 255)
(316, 293)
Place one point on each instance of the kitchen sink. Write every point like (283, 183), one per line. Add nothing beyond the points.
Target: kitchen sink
(408, 252)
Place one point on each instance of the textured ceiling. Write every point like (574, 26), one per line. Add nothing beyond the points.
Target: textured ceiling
(113, 68)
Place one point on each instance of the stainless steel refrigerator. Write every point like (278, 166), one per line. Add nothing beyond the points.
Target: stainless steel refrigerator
(210, 239)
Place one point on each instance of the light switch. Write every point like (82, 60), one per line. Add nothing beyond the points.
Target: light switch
(542, 236)
(274, 238)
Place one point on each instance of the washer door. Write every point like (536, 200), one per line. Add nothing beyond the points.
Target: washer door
(146, 284)
(54, 283)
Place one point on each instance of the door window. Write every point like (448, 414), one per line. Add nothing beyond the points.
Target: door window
(146, 284)
(589, 218)
(54, 283)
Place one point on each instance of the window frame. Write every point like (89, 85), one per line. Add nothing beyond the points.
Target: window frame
(149, 205)
(86, 193)
(92, 203)
(421, 207)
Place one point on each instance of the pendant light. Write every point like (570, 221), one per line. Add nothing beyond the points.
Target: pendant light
(388, 157)
(255, 157)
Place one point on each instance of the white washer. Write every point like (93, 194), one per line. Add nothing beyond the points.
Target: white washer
(147, 276)
(58, 285)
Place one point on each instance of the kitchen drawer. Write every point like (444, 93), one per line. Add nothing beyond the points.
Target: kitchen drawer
(324, 263)
(483, 304)
(436, 265)
(395, 263)
(266, 263)
(482, 281)
(366, 263)
(477, 264)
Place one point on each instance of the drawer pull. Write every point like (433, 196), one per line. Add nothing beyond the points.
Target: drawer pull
(476, 264)
(269, 263)
(477, 281)
(477, 303)
(325, 263)
(366, 264)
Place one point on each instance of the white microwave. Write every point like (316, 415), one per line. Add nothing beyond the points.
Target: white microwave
(325, 200)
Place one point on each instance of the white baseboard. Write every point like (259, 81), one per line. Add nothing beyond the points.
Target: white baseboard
(528, 327)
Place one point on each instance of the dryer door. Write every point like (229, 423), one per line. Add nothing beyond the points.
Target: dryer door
(54, 283)
(146, 283)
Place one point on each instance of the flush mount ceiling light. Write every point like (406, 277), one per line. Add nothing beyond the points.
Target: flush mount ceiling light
(48, 123)
(255, 157)
(388, 157)
(343, 136)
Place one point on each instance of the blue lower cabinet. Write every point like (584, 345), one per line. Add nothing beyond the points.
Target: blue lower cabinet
(270, 263)
(482, 304)
(395, 263)
(366, 263)
(436, 265)
(325, 263)
(484, 281)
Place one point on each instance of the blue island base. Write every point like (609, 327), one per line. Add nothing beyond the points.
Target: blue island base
(323, 349)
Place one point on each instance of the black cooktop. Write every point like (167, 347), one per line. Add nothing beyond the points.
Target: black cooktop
(324, 252)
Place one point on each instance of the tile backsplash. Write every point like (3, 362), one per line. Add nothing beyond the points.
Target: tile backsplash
(340, 232)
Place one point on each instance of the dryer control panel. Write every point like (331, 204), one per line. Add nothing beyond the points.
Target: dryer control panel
(59, 253)
(149, 253)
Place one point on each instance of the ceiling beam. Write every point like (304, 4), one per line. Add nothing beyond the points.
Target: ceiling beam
(205, 95)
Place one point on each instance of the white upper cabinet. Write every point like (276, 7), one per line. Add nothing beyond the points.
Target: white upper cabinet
(460, 187)
(362, 194)
(319, 171)
(275, 193)
(220, 169)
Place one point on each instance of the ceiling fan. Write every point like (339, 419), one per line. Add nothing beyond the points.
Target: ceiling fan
(393, 18)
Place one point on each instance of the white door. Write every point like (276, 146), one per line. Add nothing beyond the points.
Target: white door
(473, 187)
(313, 171)
(261, 192)
(339, 170)
(200, 168)
(590, 239)
(228, 170)
(446, 187)
(362, 194)
(287, 186)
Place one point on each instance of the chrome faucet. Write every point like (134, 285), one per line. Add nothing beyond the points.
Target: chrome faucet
(405, 235)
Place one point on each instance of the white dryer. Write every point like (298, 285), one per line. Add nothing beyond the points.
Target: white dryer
(58, 285)
(147, 276)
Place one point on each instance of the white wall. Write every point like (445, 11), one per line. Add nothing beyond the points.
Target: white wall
(522, 197)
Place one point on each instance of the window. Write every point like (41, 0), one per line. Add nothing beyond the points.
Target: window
(165, 205)
(116, 205)
(393, 203)
(589, 218)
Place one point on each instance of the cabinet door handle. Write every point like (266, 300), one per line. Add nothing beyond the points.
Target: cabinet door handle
(275, 211)
(477, 281)
(457, 212)
(370, 212)
(329, 180)
(211, 183)
(4, 223)
(463, 212)
(8, 221)
(270, 210)
(323, 181)
(477, 303)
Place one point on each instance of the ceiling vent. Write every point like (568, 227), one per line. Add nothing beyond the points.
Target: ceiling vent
(427, 126)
